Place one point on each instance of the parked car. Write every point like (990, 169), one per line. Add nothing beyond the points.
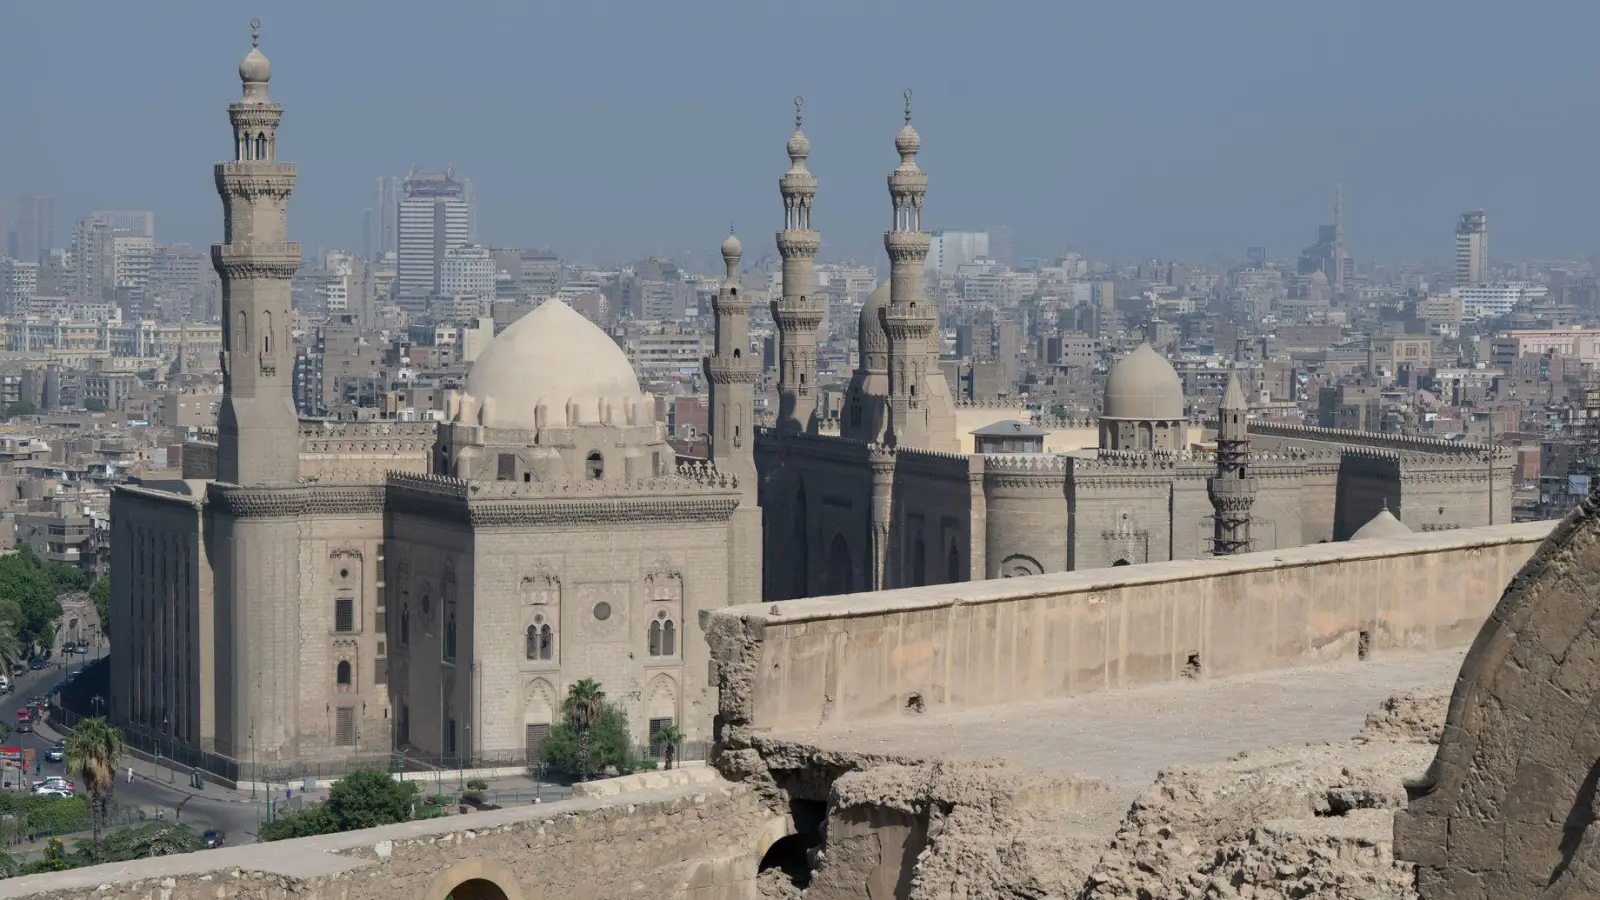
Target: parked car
(57, 782)
(18, 670)
(25, 726)
(83, 648)
(51, 792)
(213, 838)
(36, 665)
(56, 753)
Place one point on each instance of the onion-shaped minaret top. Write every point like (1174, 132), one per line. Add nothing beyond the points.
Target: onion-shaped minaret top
(732, 251)
(254, 70)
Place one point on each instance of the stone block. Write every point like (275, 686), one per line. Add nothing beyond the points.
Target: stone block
(1421, 837)
(1476, 844)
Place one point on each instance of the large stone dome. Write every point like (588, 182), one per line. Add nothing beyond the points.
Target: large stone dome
(556, 357)
(1143, 386)
(870, 331)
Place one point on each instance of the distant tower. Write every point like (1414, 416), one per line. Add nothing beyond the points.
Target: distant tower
(1340, 254)
(1472, 249)
(917, 417)
(798, 313)
(1233, 489)
(731, 372)
(258, 430)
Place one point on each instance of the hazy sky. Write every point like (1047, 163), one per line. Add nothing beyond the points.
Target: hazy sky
(615, 129)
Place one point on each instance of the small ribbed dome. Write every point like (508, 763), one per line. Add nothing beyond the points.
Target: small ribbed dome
(799, 146)
(907, 141)
(552, 356)
(254, 68)
(870, 332)
(1143, 386)
(732, 250)
(1319, 278)
(1383, 526)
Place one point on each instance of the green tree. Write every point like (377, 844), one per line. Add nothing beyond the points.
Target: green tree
(607, 744)
(667, 738)
(92, 752)
(366, 798)
(21, 408)
(28, 591)
(100, 593)
(55, 860)
(583, 708)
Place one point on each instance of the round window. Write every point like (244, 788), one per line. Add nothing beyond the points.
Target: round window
(344, 573)
(427, 604)
(661, 614)
(602, 610)
(538, 620)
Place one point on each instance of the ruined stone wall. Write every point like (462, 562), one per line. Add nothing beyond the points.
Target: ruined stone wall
(802, 663)
(701, 842)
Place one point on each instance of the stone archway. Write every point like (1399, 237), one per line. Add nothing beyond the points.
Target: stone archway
(477, 879)
(1507, 809)
(839, 566)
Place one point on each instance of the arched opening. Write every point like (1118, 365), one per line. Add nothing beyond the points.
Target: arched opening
(405, 626)
(839, 567)
(669, 639)
(792, 854)
(342, 674)
(474, 879)
(736, 353)
(595, 466)
(1121, 562)
(261, 146)
(919, 563)
(266, 333)
(953, 565)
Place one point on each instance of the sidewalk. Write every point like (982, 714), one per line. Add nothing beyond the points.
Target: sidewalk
(168, 779)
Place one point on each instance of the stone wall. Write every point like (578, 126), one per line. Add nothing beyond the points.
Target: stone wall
(698, 842)
(801, 663)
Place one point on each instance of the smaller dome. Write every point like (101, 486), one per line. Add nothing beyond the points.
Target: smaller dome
(732, 250)
(1144, 387)
(907, 141)
(1383, 526)
(799, 146)
(1319, 278)
(870, 331)
(254, 68)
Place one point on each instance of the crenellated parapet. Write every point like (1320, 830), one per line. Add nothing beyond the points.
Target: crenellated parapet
(1457, 450)
(1050, 422)
(696, 493)
(936, 462)
(1044, 473)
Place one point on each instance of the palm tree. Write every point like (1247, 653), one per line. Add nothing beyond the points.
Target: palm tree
(668, 737)
(585, 703)
(10, 644)
(92, 751)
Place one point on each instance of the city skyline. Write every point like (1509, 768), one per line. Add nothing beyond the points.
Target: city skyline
(1232, 158)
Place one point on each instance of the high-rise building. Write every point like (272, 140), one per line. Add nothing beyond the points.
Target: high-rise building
(467, 270)
(1003, 246)
(1472, 249)
(33, 232)
(177, 277)
(386, 214)
(18, 283)
(94, 260)
(434, 217)
(950, 250)
(129, 223)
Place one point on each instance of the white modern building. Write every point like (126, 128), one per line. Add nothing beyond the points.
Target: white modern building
(950, 250)
(1489, 301)
(1472, 249)
(467, 270)
(434, 217)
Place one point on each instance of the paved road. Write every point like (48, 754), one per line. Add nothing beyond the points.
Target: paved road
(152, 788)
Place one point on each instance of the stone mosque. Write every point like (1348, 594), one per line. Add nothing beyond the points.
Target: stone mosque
(311, 588)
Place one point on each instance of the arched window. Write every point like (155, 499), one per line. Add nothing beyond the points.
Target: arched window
(261, 145)
(547, 642)
(655, 638)
(595, 467)
(241, 340)
(405, 625)
(532, 642)
(669, 639)
(342, 674)
(953, 565)
(919, 563)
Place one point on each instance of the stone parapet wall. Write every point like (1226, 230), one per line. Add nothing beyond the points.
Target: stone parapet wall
(699, 842)
(802, 663)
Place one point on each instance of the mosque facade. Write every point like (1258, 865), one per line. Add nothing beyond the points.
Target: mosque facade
(888, 500)
(310, 589)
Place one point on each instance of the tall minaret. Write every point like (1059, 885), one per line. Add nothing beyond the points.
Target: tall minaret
(257, 433)
(798, 313)
(917, 389)
(1233, 488)
(731, 372)
(1339, 252)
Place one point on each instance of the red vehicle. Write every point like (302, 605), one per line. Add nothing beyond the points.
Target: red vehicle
(25, 715)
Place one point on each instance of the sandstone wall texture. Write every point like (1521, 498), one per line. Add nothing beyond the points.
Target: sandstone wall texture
(1507, 809)
(803, 663)
(700, 842)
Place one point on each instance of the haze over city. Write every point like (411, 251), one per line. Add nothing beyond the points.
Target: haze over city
(614, 130)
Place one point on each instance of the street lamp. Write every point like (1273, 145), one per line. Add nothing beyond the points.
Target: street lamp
(166, 725)
(97, 700)
(252, 762)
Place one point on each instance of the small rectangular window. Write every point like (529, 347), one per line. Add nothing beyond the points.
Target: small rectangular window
(508, 467)
(380, 671)
(382, 622)
(344, 731)
(344, 614)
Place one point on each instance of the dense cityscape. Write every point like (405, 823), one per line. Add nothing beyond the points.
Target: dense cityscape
(791, 574)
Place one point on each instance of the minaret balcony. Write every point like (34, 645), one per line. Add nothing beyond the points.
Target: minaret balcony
(799, 244)
(797, 313)
(906, 246)
(265, 259)
(733, 369)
